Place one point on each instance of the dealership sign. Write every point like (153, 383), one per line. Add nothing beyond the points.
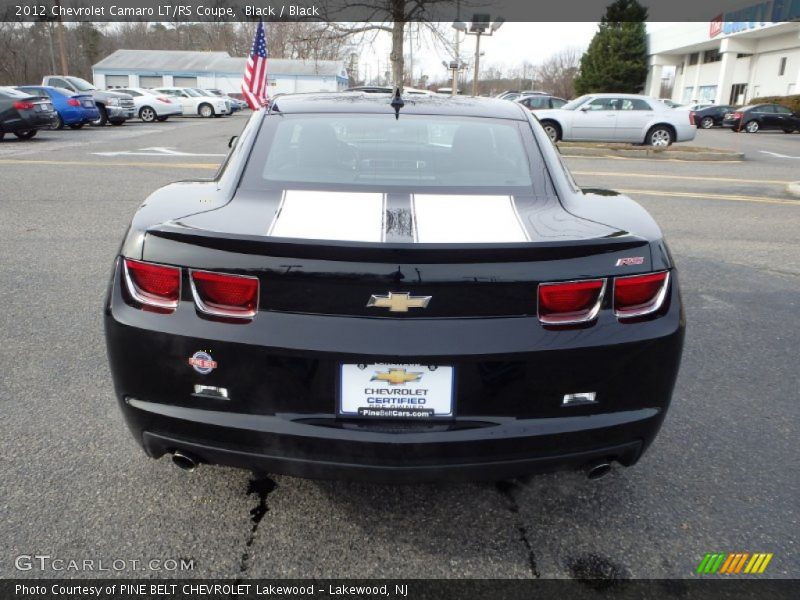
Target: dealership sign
(754, 16)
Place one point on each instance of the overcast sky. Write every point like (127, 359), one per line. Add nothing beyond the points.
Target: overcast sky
(512, 44)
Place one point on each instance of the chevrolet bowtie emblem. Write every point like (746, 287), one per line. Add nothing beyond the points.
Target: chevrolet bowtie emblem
(399, 302)
(396, 376)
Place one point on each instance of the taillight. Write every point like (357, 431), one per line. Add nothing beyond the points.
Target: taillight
(73, 102)
(23, 105)
(639, 295)
(224, 295)
(153, 285)
(737, 115)
(165, 99)
(570, 302)
(692, 117)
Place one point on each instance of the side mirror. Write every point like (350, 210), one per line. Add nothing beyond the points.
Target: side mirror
(232, 141)
(583, 108)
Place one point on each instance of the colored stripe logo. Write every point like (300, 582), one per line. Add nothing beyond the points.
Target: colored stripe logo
(734, 563)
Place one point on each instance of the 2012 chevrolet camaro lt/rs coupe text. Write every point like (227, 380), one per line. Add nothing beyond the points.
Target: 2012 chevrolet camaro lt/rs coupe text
(396, 291)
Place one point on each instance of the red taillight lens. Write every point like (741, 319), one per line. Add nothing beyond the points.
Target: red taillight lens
(225, 295)
(153, 285)
(570, 302)
(639, 295)
(692, 117)
(165, 99)
(23, 105)
(737, 115)
(73, 102)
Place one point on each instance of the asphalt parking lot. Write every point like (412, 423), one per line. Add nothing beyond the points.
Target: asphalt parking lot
(722, 476)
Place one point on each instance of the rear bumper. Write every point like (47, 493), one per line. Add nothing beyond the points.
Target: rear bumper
(280, 414)
(685, 133)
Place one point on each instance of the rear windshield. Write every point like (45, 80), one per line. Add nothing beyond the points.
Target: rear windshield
(377, 150)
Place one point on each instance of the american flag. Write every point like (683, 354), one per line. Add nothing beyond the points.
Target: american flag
(254, 86)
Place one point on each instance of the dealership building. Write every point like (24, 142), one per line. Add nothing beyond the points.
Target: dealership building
(217, 70)
(730, 60)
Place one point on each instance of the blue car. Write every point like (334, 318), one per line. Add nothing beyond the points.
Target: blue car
(74, 110)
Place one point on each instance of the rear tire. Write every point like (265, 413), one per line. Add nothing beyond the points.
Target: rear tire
(752, 127)
(206, 111)
(552, 130)
(162, 119)
(25, 134)
(76, 126)
(2, 135)
(58, 124)
(117, 123)
(788, 131)
(103, 118)
(147, 114)
(706, 123)
(660, 136)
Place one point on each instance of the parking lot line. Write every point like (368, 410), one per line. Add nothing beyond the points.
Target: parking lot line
(661, 160)
(707, 196)
(686, 177)
(99, 163)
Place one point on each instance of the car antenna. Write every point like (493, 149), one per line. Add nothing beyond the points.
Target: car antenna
(397, 102)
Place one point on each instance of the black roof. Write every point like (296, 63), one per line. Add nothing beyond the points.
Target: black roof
(366, 103)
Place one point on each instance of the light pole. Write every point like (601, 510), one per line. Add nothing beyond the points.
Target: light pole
(481, 25)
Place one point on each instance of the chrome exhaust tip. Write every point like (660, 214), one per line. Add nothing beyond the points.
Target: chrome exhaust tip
(598, 469)
(183, 461)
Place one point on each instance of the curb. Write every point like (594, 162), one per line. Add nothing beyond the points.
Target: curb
(794, 189)
(650, 153)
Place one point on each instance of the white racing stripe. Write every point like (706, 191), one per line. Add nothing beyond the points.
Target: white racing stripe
(349, 216)
(443, 219)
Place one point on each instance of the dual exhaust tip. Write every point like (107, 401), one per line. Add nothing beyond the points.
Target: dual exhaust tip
(188, 462)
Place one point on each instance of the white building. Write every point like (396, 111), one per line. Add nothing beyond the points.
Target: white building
(157, 68)
(734, 58)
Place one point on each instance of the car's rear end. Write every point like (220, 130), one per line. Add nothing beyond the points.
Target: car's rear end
(733, 119)
(401, 335)
(81, 109)
(24, 112)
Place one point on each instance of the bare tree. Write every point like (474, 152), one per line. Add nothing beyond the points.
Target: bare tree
(390, 16)
(557, 74)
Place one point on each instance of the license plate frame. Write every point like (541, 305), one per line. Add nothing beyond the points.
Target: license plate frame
(431, 394)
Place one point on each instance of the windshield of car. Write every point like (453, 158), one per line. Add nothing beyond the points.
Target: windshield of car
(192, 93)
(202, 92)
(80, 84)
(573, 104)
(373, 150)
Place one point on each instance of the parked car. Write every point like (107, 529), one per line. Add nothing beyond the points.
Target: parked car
(514, 95)
(113, 107)
(462, 310)
(617, 118)
(710, 116)
(194, 103)
(151, 106)
(756, 117)
(73, 110)
(540, 101)
(23, 114)
(236, 103)
(670, 103)
(228, 102)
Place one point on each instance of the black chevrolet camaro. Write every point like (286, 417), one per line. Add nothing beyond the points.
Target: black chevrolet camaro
(397, 291)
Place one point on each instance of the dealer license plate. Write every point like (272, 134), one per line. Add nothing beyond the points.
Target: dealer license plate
(396, 391)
